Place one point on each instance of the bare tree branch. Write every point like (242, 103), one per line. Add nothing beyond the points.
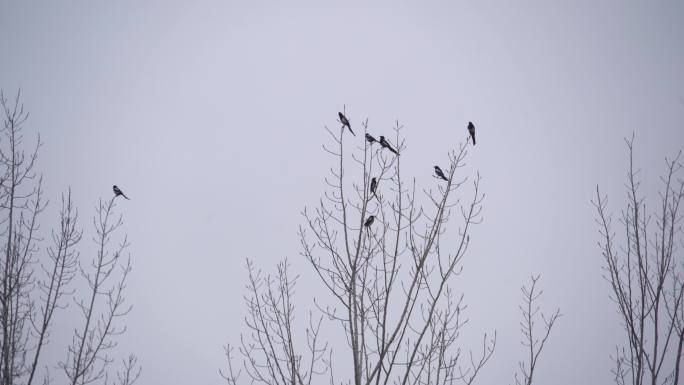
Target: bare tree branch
(531, 341)
(87, 356)
(646, 277)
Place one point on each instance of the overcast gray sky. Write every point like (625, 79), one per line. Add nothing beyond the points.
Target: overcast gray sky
(211, 116)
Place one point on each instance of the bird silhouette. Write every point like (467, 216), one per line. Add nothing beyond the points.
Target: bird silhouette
(471, 130)
(345, 122)
(369, 222)
(370, 138)
(373, 186)
(386, 145)
(440, 173)
(118, 192)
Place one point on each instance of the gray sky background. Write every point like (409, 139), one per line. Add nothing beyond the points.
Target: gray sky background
(211, 117)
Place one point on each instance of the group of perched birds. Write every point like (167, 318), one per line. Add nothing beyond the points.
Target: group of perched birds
(384, 144)
(370, 139)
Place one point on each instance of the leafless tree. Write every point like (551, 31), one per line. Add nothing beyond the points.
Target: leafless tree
(271, 347)
(21, 203)
(34, 285)
(387, 279)
(87, 356)
(532, 341)
(58, 273)
(645, 271)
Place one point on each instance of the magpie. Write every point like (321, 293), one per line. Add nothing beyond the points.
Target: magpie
(370, 138)
(440, 173)
(118, 192)
(369, 222)
(471, 130)
(345, 122)
(373, 186)
(386, 145)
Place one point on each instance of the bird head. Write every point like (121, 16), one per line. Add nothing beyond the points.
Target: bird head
(114, 186)
(382, 138)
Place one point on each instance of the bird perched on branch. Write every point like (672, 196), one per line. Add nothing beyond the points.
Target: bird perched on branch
(385, 144)
(118, 192)
(373, 186)
(345, 122)
(370, 138)
(440, 173)
(471, 130)
(369, 222)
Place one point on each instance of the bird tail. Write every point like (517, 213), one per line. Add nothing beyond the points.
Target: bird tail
(124, 195)
(473, 140)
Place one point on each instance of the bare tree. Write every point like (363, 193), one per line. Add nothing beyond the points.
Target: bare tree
(271, 349)
(57, 275)
(34, 285)
(87, 356)
(533, 343)
(386, 262)
(646, 277)
(21, 203)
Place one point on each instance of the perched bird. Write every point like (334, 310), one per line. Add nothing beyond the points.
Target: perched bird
(370, 138)
(369, 222)
(345, 122)
(440, 173)
(471, 130)
(118, 192)
(373, 186)
(386, 145)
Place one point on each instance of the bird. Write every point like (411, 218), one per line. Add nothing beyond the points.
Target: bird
(373, 186)
(118, 192)
(471, 130)
(440, 173)
(370, 138)
(369, 222)
(386, 145)
(345, 122)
